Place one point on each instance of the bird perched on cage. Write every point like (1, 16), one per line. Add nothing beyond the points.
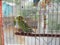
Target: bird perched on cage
(23, 25)
(35, 2)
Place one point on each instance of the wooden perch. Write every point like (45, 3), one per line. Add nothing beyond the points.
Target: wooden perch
(37, 35)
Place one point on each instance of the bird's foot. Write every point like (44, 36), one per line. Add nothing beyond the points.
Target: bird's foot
(20, 30)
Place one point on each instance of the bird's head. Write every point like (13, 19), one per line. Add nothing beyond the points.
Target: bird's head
(20, 18)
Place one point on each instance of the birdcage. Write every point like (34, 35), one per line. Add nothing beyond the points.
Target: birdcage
(31, 22)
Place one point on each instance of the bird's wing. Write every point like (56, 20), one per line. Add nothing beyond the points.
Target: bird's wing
(25, 24)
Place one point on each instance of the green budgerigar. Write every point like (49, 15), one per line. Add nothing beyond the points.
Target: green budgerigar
(23, 25)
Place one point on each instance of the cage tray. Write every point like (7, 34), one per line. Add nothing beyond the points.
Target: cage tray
(37, 35)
